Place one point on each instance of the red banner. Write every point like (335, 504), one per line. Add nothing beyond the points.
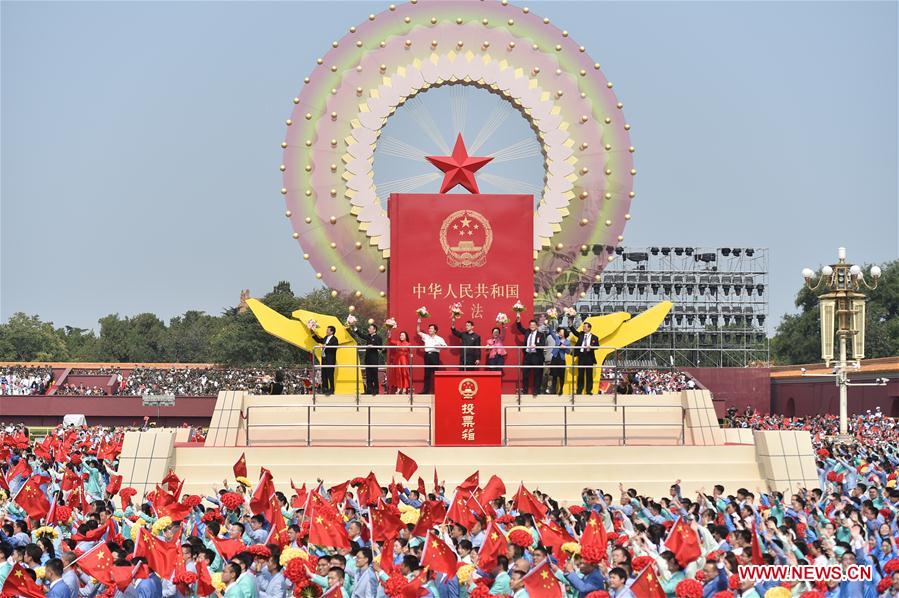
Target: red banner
(467, 409)
(475, 250)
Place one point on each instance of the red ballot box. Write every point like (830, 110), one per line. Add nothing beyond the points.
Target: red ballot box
(467, 408)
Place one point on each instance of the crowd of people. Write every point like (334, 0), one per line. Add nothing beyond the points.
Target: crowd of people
(80, 390)
(25, 380)
(209, 381)
(70, 529)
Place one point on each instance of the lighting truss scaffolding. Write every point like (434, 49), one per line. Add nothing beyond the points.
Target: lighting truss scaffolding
(720, 297)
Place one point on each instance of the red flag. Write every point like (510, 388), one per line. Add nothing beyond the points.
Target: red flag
(526, 502)
(414, 588)
(437, 556)
(394, 489)
(553, 536)
(299, 500)
(97, 562)
(595, 532)
(31, 498)
(387, 557)
(77, 496)
(422, 491)
(460, 512)
(19, 583)
(436, 483)
(123, 575)
(385, 524)
(541, 582)
(240, 468)
(114, 485)
(326, 529)
(493, 490)
(431, 513)
(204, 579)
(162, 557)
(97, 533)
(757, 557)
(369, 491)
(647, 584)
(470, 484)
(21, 469)
(495, 544)
(684, 543)
(405, 465)
(265, 490)
(227, 547)
(338, 493)
(278, 534)
(171, 481)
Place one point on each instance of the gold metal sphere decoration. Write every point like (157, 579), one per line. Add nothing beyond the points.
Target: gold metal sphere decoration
(296, 100)
(296, 235)
(382, 268)
(305, 256)
(288, 214)
(284, 144)
(627, 216)
(333, 219)
(333, 293)
(283, 191)
(333, 268)
(333, 245)
(358, 245)
(632, 194)
(308, 220)
(608, 223)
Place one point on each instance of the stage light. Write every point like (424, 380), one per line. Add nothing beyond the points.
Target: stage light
(760, 288)
(666, 250)
(689, 289)
(678, 251)
(761, 319)
(737, 251)
(725, 251)
(679, 318)
(702, 319)
(596, 288)
(597, 249)
(607, 288)
(636, 257)
(610, 250)
(619, 250)
(667, 288)
(705, 257)
(654, 250)
(641, 288)
(655, 288)
(750, 251)
(631, 288)
(619, 288)
(688, 250)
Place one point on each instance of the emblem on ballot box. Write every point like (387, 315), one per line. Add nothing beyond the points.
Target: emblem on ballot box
(466, 236)
(468, 388)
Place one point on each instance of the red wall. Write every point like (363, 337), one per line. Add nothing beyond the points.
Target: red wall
(119, 411)
(736, 387)
(799, 397)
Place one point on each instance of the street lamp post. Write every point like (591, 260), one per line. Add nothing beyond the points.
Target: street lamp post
(842, 306)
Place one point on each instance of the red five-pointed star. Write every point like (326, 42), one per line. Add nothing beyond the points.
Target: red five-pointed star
(459, 168)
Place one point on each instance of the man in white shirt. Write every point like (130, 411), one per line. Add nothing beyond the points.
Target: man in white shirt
(433, 343)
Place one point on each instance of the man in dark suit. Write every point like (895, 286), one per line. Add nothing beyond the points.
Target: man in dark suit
(471, 345)
(372, 357)
(534, 345)
(328, 358)
(583, 350)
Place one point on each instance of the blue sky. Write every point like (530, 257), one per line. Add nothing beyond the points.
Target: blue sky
(140, 141)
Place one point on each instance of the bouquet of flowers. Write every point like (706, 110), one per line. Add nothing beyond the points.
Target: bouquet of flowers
(518, 307)
(552, 313)
(350, 321)
(570, 312)
(312, 324)
(456, 310)
(390, 323)
(502, 318)
(422, 312)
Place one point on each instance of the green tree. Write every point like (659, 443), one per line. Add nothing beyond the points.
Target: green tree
(798, 336)
(27, 338)
(189, 337)
(82, 344)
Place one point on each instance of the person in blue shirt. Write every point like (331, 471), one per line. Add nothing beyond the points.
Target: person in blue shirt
(590, 579)
(58, 589)
(561, 348)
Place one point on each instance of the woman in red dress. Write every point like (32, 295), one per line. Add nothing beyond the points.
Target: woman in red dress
(400, 361)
